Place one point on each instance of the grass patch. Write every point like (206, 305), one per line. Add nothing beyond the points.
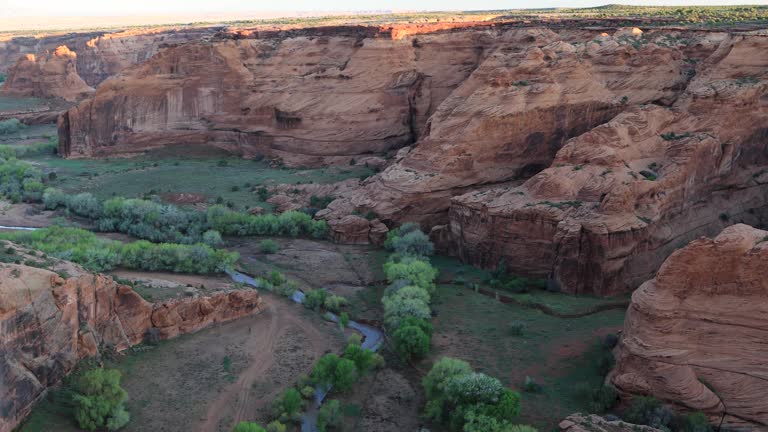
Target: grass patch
(553, 351)
(236, 181)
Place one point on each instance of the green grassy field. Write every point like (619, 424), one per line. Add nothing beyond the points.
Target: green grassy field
(556, 352)
(231, 178)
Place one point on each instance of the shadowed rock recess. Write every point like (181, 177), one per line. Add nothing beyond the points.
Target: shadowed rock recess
(695, 335)
(49, 323)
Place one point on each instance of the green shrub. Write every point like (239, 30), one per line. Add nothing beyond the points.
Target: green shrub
(268, 246)
(414, 243)
(212, 238)
(289, 403)
(411, 343)
(276, 426)
(343, 320)
(417, 272)
(315, 299)
(245, 426)
(307, 392)
(11, 126)
(398, 308)
(335, 371)
(696, 422)
(334, 303)
(458, 396)
(99, 400)
(641, 409)
(364, 359)
(329, 415)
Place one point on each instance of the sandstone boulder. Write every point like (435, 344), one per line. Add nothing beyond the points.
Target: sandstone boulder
(695, 334)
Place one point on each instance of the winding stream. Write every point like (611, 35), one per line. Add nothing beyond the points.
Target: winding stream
(372, 338)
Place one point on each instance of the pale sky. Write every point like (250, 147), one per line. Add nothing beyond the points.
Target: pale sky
(61, 8)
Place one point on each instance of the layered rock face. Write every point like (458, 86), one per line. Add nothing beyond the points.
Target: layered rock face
(308, 100)
(695, 335)
(50, 75)
(49, 323)
(620, 198)
(509, 119)
(101, 54)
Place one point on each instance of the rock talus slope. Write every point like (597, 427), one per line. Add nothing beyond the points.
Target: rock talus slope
(695, 335)
(48, 323)
(617, 200)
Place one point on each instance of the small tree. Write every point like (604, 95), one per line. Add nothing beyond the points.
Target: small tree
(268, 246)
(291, 402)
(343, 320)
(99, 400)
(345, 375)
(329, 415)
(411, 342)
(245, 426)
(315, 299)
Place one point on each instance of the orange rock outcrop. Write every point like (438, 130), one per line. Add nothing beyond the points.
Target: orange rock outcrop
(49, 75)
(695, 334)
(48, 323)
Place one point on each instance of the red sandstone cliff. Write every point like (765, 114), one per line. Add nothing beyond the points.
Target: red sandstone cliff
(49, 75)
(620, 198)
(695, 335)
(309, 100)
(509, 119)
(49, 323)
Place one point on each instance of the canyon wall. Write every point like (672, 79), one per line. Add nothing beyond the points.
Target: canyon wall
(620, 198)
(101, 54)
(510, 118)
(48, 75)
(49, 323)
(695, 335)
(308, 100)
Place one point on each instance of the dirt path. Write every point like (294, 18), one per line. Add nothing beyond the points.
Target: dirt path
(239, 401)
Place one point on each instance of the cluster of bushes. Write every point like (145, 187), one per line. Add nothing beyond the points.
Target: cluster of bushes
(318, 299)
(469, 401)
(330, 372)
(17, 151)
(20, 181)
(99, 401)
(407, 299)
(160, 222)
(93, 253)
(645, 410)
(11, 126)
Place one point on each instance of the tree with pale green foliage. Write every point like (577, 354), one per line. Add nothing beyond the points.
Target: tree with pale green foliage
(245, 426)
(417, 272)
(397, 308)
(99, 400)
(468, 400)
